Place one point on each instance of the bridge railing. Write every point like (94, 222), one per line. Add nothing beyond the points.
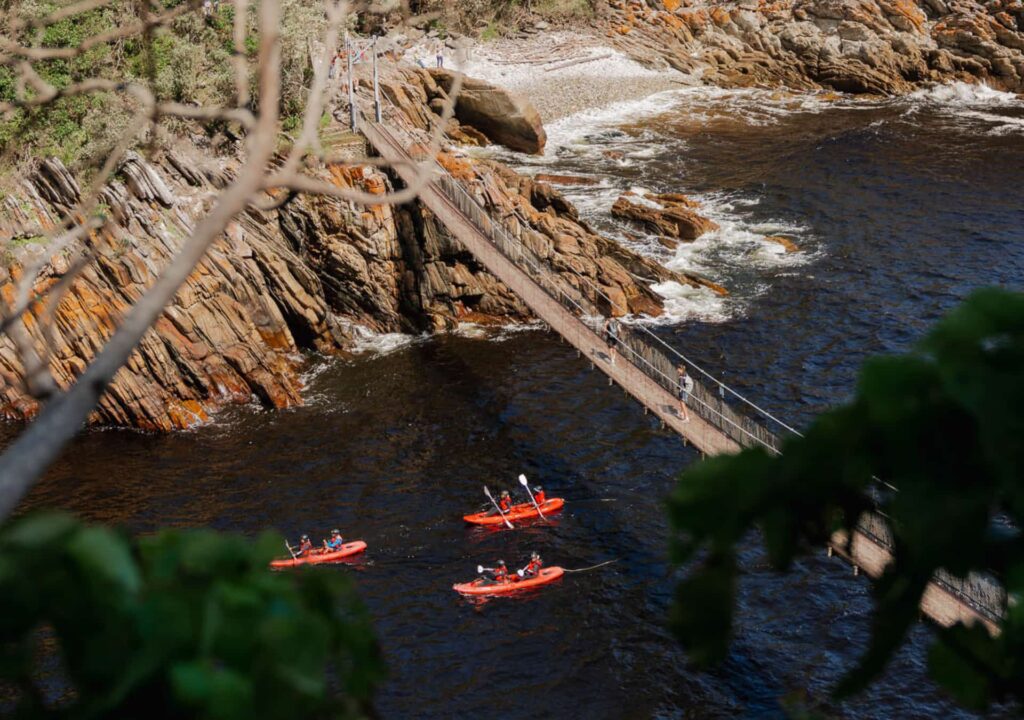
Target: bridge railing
(981, 591)
(637, 343)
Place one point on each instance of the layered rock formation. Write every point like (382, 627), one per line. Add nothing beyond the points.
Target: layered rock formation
(671, 216)
(279, 282)
(861, 46)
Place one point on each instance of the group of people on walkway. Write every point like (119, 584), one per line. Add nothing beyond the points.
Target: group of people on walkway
(684, 383)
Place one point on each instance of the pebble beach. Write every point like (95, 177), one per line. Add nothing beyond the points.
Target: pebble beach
(561, 73)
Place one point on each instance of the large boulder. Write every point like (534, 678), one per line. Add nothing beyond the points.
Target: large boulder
(504, 117)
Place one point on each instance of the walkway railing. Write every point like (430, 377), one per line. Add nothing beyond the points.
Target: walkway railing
(658, 360)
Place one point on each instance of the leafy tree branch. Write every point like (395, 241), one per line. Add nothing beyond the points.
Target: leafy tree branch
(944, 425)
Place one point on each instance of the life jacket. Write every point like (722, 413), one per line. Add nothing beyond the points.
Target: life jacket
(505, 504)
(533, 567)
(305, 548)
(335, 544)
(501, 573)
(540, 497)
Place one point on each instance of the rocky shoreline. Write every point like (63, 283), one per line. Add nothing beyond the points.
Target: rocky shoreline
(885, 47)
(300, 278)
(879, 47)
(307, 276)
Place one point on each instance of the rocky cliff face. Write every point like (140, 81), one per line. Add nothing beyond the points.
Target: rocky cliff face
(279, 282)
(861, 46)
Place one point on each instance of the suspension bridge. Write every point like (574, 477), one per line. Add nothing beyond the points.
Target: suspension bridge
(721, 419)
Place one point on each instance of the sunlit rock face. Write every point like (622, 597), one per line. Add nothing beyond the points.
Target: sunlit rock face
(307, 276)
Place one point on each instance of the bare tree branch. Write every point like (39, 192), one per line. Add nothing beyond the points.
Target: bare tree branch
(40, 444)
(29, 322)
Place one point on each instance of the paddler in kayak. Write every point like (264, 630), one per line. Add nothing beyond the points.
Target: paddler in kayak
(498, 573)
(504, 502)
(305, 547)
(532, 568)
(335, 543)
(538, 495)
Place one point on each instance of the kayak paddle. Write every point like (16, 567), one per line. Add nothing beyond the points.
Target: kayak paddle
(523, 481)
(290, 552)
(498, 508)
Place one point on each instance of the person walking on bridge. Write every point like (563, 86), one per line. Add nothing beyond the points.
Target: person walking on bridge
(611, 335)
(684, 385)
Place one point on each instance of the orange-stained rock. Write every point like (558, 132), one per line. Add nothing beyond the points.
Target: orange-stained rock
(872, 47)
(669, 214)
(283, 281)
(789, 245)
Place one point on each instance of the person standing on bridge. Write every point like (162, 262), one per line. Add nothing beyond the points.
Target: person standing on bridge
(684, 387)
(611, 335)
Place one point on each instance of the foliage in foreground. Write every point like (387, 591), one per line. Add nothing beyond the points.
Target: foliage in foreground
(177, 624)
(945, 425)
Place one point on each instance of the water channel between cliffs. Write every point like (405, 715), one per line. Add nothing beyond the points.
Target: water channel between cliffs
(900, 208)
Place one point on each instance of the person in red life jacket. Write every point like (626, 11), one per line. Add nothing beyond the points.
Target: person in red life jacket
(335, 543)
(499, 573)
(305, 547)
(504, 502)
(532, 568)
(539, 496)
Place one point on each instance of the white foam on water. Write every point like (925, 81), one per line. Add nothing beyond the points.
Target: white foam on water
(969, 106)
(487, 63)
(318, 365)
(684, 302)
(496, 333)
(573, 129)
(963, 94)
(369, 342)
(1001, 124)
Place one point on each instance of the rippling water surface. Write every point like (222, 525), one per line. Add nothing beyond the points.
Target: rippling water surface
(900, 209)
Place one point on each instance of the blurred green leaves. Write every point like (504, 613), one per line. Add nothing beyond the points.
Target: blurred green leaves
(945, 425)
(177, 624)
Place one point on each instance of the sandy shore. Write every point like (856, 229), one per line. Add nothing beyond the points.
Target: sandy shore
(547, 70)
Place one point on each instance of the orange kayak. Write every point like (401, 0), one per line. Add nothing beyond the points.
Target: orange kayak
(518, 512)
(487, 587)
(347, 550)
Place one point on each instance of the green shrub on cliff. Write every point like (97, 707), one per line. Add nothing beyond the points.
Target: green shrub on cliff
(188, 61)
(943, 424)
(173, 625)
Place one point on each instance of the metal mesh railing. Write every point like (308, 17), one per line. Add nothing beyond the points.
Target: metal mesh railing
(980, 591)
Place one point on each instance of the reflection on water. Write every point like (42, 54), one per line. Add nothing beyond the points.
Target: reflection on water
(899, 215)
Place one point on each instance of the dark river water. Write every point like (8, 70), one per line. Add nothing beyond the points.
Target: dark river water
(900, 210)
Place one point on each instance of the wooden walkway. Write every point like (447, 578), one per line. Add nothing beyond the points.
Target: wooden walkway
(947, 600)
